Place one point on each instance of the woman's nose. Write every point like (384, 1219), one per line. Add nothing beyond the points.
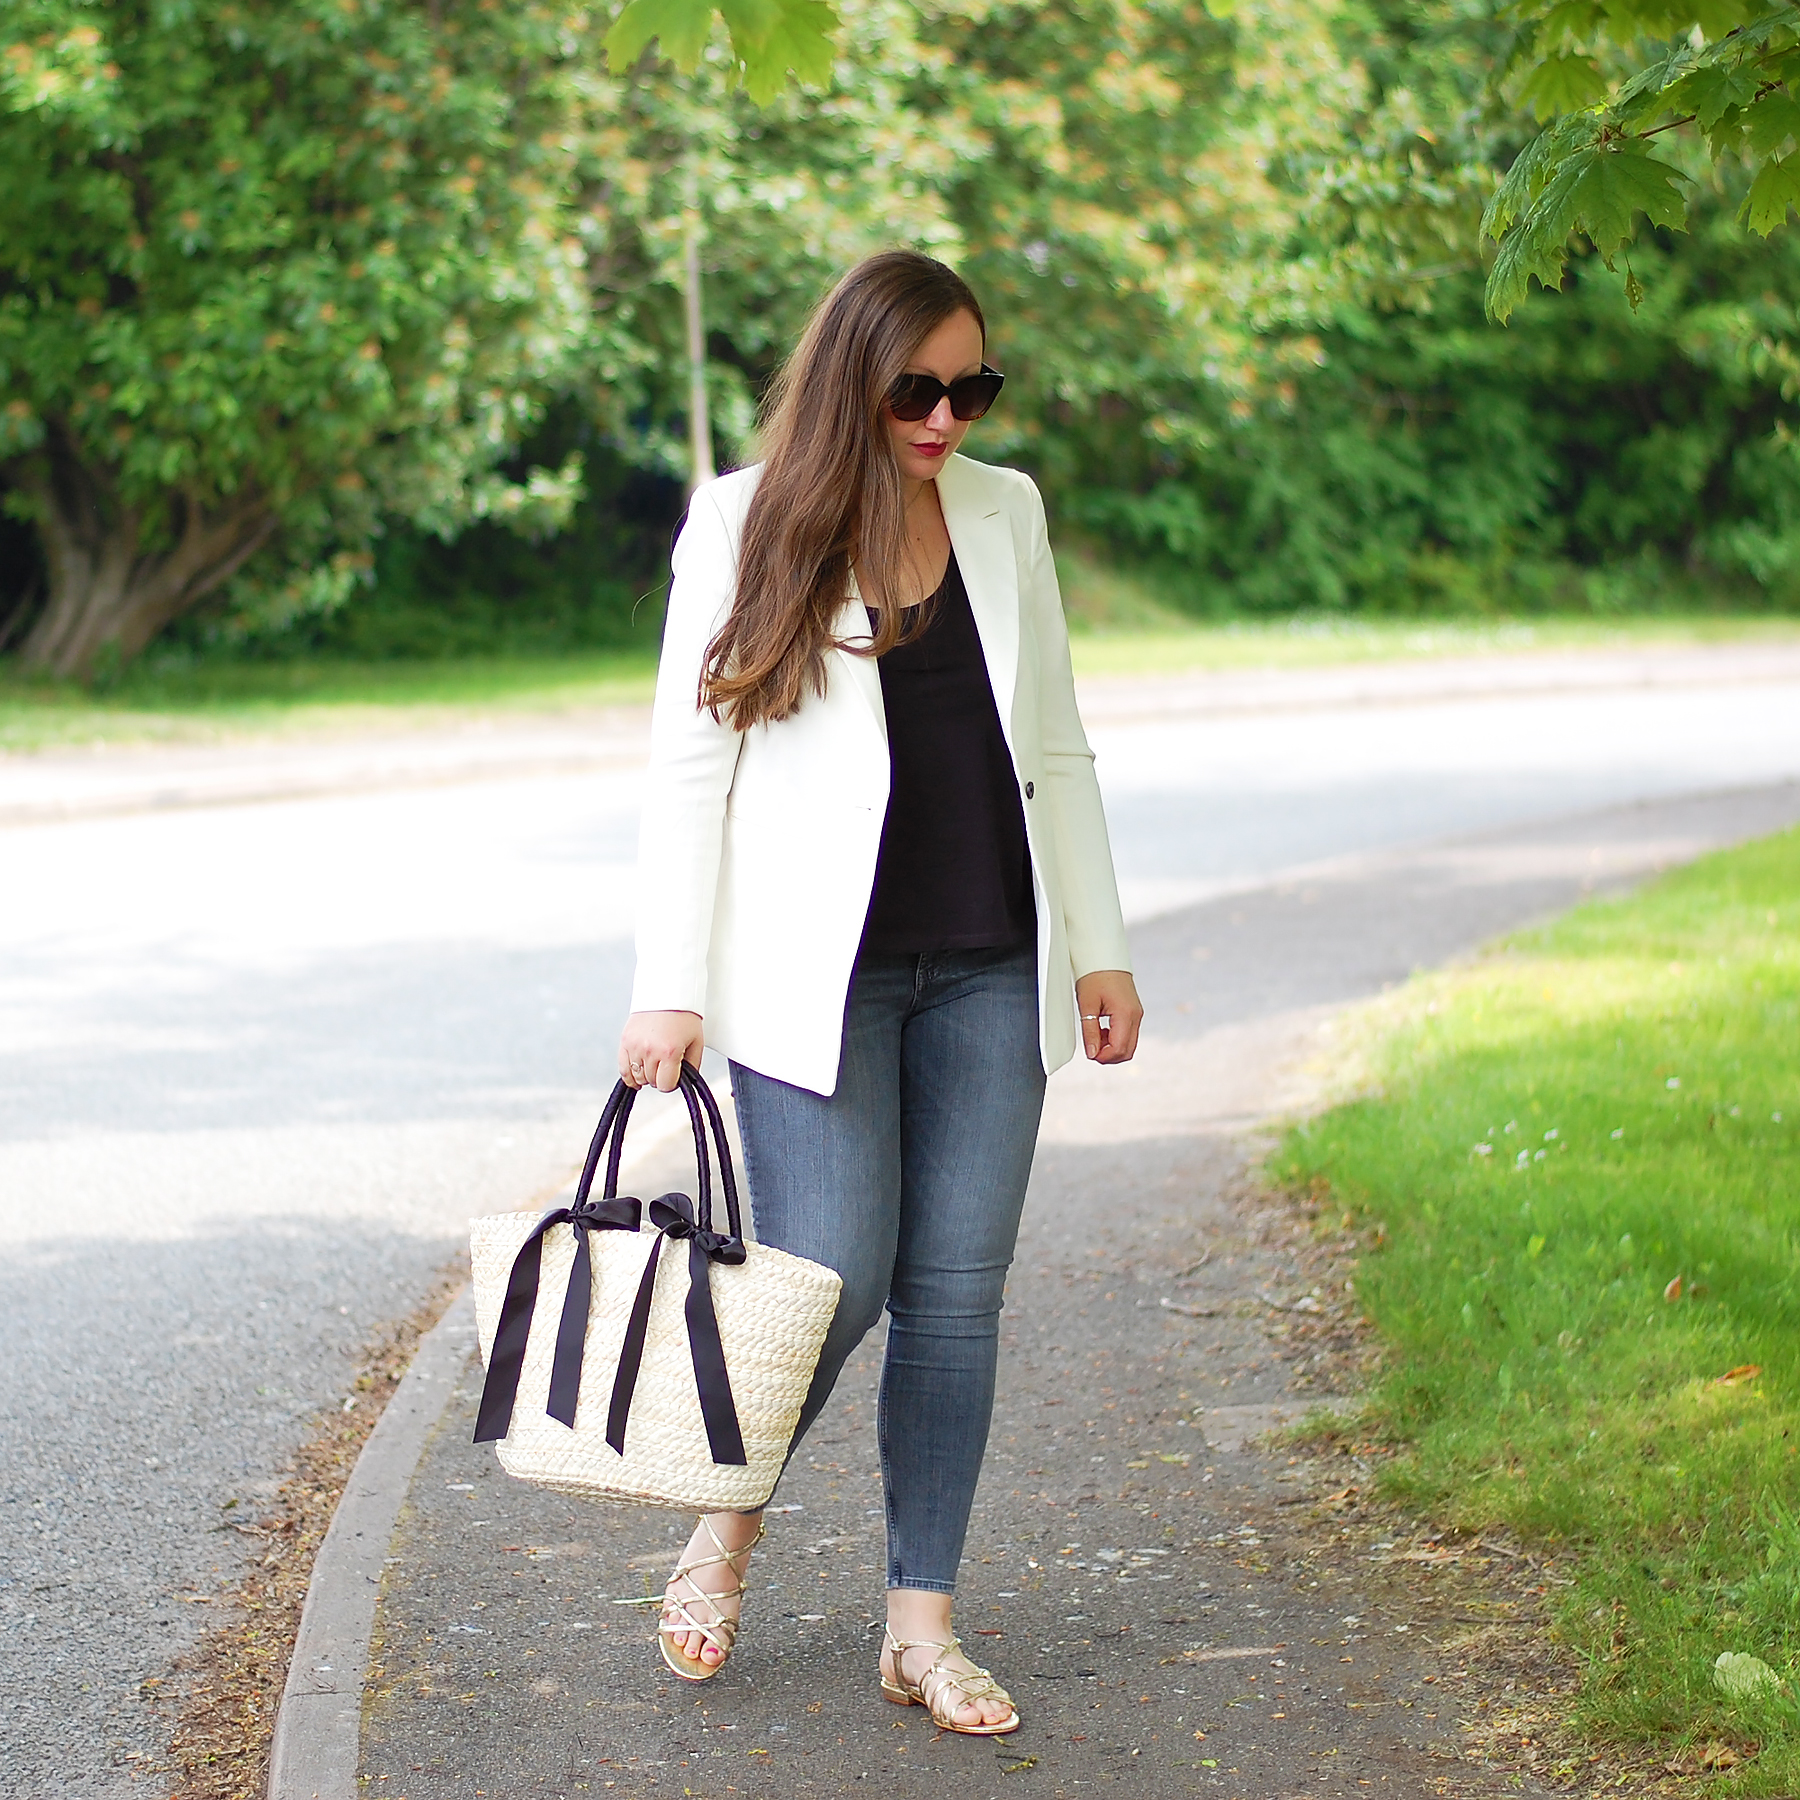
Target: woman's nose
(941, 417)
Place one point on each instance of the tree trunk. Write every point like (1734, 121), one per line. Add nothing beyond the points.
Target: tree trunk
(107, 592)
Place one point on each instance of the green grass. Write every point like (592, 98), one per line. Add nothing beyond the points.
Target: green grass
(1560, 1131)
(1118, 626)
(209, 702)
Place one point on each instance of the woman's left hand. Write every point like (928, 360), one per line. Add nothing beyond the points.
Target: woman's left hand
(1110, 995)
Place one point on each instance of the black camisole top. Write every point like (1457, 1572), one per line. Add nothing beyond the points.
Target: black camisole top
(954, 871)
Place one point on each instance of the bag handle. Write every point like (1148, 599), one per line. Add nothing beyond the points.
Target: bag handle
(695, 1082)
(674, 1217)
(609, 1139)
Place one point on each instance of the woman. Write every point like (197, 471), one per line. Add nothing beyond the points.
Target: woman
(875, 873)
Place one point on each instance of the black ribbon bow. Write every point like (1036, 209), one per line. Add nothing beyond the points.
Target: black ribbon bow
(508, 1360)
(674, 1216)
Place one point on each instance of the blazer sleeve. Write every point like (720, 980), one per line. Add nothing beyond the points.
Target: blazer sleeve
(1092, 916)
(693, 759)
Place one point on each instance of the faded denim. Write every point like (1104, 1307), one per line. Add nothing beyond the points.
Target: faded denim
(909, 1181)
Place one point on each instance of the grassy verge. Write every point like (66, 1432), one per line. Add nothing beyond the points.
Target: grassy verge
(1580, 1174)
(1315, 641)
(1117, 625)
(208, 702)
(1120, 627)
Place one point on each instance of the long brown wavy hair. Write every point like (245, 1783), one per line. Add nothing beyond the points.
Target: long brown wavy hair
(830, 496)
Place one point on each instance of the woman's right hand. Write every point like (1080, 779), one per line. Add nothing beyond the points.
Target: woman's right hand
(654, 1045)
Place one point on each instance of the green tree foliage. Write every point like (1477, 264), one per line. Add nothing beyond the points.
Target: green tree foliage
(594, 583)
(1229, 250)
(787, 193)
(1612, 79)
(1588, 458)
(273, 266)
(1232, 266)
(1421, 459)
(1104, 174)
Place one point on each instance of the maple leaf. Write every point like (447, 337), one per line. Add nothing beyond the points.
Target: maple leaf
(1617, 185)
(1710, 93)
(1775, 189)
(681, 27)
(1596, 189)
(1770, 123)
(774, 38)
(1563, 84)
(769, 38)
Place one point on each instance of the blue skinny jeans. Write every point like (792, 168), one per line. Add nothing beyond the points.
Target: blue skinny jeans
(909, 1181)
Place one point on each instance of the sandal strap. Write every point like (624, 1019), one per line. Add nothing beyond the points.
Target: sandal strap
(684, 1570)
(721, 1554)
(969, 1685)
(721, 1629)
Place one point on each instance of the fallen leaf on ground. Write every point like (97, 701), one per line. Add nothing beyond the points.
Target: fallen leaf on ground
(1704, 1759)
(1743, 1372)
(1740, 1676)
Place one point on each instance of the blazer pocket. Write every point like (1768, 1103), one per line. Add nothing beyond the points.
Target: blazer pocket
(787, 814)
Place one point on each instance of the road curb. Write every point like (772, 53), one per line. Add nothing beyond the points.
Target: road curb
(52, 790)
(317, 1746)
(318, 1730)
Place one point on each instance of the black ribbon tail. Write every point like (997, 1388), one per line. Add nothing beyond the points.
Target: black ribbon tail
(631, 1352)
(674, 1214)
(501, 1388)
(717, 1405)
(500, 1391)
(571, 1336)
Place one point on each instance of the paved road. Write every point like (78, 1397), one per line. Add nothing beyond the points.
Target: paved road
(1141, 1576)
(258, 1063)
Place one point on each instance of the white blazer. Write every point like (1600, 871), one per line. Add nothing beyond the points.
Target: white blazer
(756, 862)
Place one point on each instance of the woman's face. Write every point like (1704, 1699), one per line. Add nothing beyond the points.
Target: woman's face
(921, 445)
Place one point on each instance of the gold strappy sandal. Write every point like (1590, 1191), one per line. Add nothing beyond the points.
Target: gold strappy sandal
(947, 1690)
(719, 1631)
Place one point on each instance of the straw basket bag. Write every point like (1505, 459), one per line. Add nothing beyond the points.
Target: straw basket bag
(614, 1374)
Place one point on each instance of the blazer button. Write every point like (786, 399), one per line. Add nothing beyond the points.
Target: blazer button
(1029, 790)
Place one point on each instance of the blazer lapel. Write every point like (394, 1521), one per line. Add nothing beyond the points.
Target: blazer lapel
(860, 671)
(981, 536)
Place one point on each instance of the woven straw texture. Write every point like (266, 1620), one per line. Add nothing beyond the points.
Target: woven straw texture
(773, 1311)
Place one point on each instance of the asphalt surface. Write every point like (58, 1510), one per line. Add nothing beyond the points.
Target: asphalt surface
(259, 1063)
(1134, 1571)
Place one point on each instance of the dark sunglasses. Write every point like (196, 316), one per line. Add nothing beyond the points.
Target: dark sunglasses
(915, 397)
